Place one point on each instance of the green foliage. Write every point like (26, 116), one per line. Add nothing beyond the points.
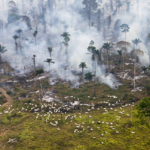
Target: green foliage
(89, 76)
(66, 38)
(81, 95)
(106, 46)
(125, 28)
(2, 49)
(39, 71)
(2, 97)
(23, 94)
(136, 41)
(144, 108)
(15, 37)
(17, 89)
(9, 92)
(128, 97)
(49, 61)
(82, 65)
(144, 68)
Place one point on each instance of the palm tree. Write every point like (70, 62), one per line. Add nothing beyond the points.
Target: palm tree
(82, 65)
(50, 49)
(2, 50)
(136, 42)
(35, 34)
(107, 47)
(49, 61)
(15, 38)
(19, 32)
(136, 52)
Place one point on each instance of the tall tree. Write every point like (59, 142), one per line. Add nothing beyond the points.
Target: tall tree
(99, 20)
(49, 61)
(82, 65)
(19, 31)
(66, 36)
(120, 57)
(50, 49)
(128, 3)
(125, 28)
(90, 5)
(136, 52)
(107, 47)
(2, 50)
(35, 35)
(91, 48)
(15, 38)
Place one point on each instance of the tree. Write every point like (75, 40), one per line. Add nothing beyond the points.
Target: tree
(148, 67)
(144, 108)
(120, 55)
(89, 76)
(107, 47)
(39, 71)
(90, 5)
(128, 6)
(136, 42)
(2, 50)
(66, 36)
(15, 38)
(98, 55)
(19, 31)
(50, 49)
(99, 20)
(82, 65)
(91, 48)
(125, 28)
(136, 52)
(49, 61)
(123, 45)
(35, 34)
(144, 68)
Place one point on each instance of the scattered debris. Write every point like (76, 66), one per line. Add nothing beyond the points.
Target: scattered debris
(12, 141)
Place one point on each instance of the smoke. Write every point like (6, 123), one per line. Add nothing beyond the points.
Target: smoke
(50, 26)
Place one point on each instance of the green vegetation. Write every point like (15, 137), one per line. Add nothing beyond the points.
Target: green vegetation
(39, 71)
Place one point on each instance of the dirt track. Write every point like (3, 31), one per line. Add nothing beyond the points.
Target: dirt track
(9, 100)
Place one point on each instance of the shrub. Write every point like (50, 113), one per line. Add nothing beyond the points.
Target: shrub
(9, 92)
(39, 71)
(16, 89)
(23, 94)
